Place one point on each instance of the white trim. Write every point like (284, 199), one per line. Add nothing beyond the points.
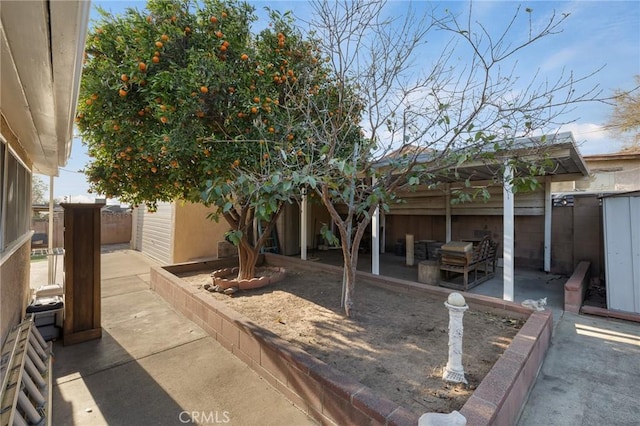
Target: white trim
(15, 246)
(508, 232)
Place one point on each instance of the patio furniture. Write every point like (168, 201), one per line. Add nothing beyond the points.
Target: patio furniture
(461, 257)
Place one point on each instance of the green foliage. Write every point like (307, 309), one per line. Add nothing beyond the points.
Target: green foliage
(182, 97)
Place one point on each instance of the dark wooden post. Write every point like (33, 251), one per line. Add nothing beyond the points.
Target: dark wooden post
(82, 272)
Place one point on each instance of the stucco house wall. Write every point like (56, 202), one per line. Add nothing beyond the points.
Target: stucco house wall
(609, 172)
(195, 236)
(15, 255)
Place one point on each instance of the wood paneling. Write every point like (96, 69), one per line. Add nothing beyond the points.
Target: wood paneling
(82, 272)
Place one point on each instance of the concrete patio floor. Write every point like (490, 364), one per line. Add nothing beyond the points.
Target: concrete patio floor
(529, 284)
(154, 366)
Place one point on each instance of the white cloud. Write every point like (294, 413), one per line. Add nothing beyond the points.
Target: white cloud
(593, 138)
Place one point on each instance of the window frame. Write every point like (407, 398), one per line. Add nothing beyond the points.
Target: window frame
(15, 201)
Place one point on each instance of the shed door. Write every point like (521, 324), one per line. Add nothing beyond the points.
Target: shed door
(154, 233)
(622, 252)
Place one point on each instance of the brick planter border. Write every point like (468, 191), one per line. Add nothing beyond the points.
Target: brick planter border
(327, 395)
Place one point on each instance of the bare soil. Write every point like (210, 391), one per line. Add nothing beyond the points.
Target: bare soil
(397, 344)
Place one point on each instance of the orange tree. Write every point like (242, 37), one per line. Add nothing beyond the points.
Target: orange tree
(183, 101)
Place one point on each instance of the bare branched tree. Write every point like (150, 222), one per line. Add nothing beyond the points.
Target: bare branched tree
(396, 119)
(39, 190)
(625, 119)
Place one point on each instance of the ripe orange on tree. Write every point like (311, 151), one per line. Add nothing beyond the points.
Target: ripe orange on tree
(155, 60)
(204, 89)
(124, 77)
(159, 44)
(213, 20)
(142, 66)
(164, 37)
(244, 57)
(121, 92)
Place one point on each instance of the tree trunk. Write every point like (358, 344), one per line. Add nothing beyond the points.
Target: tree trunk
(350, 267)
(350, 275)
(247, 258)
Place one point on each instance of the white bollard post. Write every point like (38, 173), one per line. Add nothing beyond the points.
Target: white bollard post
(454, 372)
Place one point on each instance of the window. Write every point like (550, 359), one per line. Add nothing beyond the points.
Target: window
(15, 198)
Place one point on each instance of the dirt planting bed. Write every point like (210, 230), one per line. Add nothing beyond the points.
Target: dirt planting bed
(397, 344)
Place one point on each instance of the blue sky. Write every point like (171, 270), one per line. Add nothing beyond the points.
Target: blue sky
(596, 34)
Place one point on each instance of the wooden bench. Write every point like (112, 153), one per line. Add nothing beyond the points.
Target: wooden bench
(481, 258)
(26, 374)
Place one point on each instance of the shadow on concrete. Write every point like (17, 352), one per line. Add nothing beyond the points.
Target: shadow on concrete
(89, 392)
(153, 366)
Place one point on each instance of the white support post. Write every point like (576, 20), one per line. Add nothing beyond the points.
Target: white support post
(303, 226)
(547, 224)
(375, 238)
(508, 232)
(50, 258)
(447, 213)
(375, 242)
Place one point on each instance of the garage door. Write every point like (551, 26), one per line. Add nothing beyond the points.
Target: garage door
(154, 233)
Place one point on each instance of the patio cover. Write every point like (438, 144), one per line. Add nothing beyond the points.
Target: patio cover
(566, 164)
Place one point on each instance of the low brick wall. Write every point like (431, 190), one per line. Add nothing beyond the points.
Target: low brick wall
(575, 288)
(323, 392)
